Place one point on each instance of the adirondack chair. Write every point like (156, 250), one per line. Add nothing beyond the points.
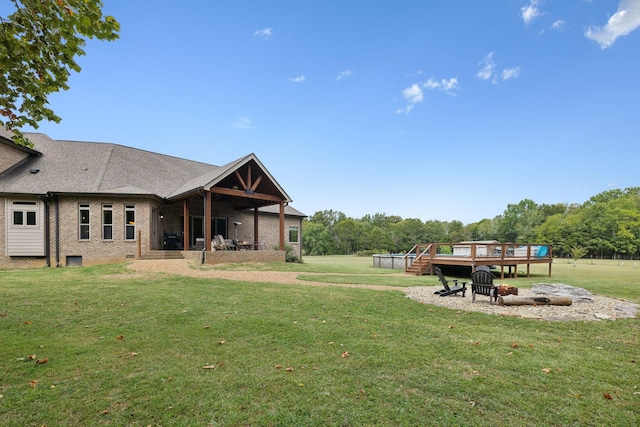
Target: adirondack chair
(482, 284)
(449, 290)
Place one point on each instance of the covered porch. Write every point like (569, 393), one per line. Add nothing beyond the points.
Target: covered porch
(229, 205)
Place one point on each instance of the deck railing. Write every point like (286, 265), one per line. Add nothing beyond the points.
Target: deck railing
(502, 251)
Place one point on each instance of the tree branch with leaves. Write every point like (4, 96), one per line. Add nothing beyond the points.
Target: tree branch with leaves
(39, 44)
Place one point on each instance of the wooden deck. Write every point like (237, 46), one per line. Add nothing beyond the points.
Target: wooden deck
(473, 255)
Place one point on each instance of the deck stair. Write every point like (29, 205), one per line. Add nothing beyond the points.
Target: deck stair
(419, 267)
(422, 262)
(159, 255)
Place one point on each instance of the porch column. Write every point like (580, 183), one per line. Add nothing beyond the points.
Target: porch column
(185, 226)
(282, 226)
(256, 239)
(207, 220)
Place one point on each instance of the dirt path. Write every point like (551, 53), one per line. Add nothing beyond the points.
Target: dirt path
(185, 268)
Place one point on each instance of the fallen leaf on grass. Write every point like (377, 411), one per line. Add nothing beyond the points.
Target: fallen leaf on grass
(278, 366)
(105, 412)
(607, 396)
(31, 357)
(207, 327)
(510, 353)
(120, 337)
(3, 314)
(450, 327)
(33, 383)
(289, 369)
(221, 342)
(28, 322)
(209, 367)
(546, 370)
(133, 354)
(514, 345)
(42, 361)
(362, 391)
(345, 354)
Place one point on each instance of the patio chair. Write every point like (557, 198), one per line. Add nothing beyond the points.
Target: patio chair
(449, 290)
(218, 243)
(482, 284)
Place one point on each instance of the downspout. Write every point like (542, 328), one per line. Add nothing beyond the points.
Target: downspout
(47, 229)
(57, 231)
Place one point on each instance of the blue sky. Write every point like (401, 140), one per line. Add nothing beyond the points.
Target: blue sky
(445, 110)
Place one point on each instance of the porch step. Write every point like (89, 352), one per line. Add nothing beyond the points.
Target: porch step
(155, 255)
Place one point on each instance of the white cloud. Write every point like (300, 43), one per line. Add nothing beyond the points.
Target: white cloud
(449, 85)
(621, 23)
(264, 33)
(488, 70)
(431, 84)
(488, 66)
(445, 85)
(414, 94)
(243, 123)
(510, 73)
(405, 110)
(558, 25)
(298, 79)
(344, 74)
(530, 12)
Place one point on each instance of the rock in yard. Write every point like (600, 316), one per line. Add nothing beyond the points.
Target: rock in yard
(577, 294)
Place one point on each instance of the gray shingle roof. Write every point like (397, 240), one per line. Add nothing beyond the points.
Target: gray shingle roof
(105, 168)
(288, 210)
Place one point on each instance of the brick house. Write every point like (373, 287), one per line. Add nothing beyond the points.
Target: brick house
(78, 203)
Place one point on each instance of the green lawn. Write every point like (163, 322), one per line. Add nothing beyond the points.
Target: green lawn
(121, 349)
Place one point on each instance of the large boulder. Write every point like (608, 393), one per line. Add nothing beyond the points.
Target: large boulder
(559, 289)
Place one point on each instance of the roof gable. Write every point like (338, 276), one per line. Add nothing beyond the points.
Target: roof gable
(12, 155)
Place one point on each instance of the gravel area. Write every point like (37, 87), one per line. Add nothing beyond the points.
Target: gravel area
(602, 308)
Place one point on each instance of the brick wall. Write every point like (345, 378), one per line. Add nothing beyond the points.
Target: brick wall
(220, 257)
(96, 250)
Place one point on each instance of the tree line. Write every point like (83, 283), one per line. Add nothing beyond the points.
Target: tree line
(605, 226)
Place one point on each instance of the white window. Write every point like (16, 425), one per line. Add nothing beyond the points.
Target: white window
(129, 222)
(84, 226)
(107, 222)
(25, 214)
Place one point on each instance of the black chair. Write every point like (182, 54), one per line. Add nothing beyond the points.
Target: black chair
(482, 284)
(449, 290)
